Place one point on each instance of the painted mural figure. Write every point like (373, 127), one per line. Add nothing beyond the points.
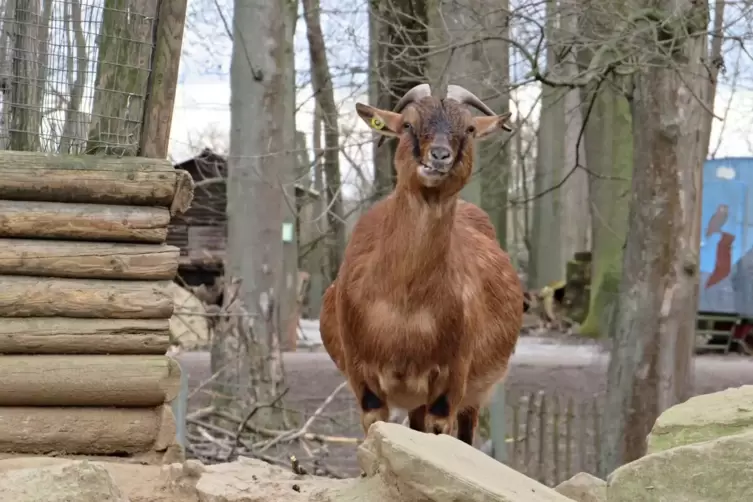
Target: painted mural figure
(723, 264)
(717, 221)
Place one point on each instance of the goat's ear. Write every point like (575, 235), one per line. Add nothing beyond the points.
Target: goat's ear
(486, 126)
(384, 122)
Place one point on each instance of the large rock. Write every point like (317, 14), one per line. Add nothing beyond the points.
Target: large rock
(702, 418)
(712, 471)
(424, 467)
(583, 487)
(78, 481)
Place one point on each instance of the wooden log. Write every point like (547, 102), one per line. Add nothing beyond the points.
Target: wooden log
(136, 181)
(22, 296)
(76, 380)
(62, 335)
(85, 431)
(95, 260)
(93, 222)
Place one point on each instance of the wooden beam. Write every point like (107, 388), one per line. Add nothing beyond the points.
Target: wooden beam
(92, 222)
(88, 260)
(158, 112)
(64, 335)
(22, 296)
(85, 380)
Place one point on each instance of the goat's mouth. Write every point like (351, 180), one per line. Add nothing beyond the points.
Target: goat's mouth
(432, 175)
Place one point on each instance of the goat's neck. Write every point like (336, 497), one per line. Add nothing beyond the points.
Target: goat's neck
(417, 234)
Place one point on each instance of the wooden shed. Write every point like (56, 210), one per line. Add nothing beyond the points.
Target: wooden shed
(201, 232)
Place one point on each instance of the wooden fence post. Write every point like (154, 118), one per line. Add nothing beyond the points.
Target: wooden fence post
(498, 424)
(163, 80)
(180, 407)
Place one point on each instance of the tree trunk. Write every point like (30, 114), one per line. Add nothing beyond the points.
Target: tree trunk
(609, 155)
(122, 75)
(74, 119)
(609, 152)
(494, 154)
(25, 116)
(325, 98)
(546, 264)
(261, 130)
(576, 217)
(481, 67)
(658, 291)
(320, 268)
(397, 55)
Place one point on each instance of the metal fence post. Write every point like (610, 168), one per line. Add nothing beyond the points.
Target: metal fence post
(180, 407)
(498, 424)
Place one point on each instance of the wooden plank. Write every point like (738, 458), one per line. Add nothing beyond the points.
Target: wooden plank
(22, 296)
(43, 177)
(85, 431)
(158, 112)
(62, 335)
(93, 222)
(84, 380)
(88, 260)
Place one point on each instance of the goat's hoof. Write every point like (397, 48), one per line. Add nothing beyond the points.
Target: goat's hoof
(369, 418)
(438, 425)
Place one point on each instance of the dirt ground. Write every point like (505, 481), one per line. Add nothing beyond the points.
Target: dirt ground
(568, 371)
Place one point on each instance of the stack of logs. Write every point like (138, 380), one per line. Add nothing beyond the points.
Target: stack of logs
(85, 307)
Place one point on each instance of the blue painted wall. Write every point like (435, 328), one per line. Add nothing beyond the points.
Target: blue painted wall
(727, 181)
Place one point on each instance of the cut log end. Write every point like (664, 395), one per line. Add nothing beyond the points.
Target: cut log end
(184, 187)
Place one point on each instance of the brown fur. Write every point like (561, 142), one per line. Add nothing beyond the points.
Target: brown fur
(425, 304)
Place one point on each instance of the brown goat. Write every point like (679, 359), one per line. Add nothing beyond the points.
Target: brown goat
(426, 309)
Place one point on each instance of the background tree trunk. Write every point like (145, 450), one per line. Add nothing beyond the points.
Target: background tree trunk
(325, 100)
(118, 105)
(576, 217)
(609, 156)
(660, 264)
(397, 53)
(544, 266)
(482, 67)
(259, 165)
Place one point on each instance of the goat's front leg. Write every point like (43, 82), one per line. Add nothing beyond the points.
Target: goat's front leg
(467, 424)
(373, 407)
(442, 413)
(417, 419)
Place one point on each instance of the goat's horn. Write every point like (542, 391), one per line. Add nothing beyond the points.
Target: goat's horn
(466, 97)
(413, 95)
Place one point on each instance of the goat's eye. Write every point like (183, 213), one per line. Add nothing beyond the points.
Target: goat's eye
(471, 129)
(407, 126)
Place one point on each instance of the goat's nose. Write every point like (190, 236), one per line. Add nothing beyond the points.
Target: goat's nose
(440, 153)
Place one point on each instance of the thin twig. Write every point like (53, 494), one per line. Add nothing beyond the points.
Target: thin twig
(250, 415)
(303, 430)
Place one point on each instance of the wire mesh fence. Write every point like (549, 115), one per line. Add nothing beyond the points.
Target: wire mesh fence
(74, 74)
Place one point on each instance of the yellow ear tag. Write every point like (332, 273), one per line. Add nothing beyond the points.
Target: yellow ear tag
(377, 123)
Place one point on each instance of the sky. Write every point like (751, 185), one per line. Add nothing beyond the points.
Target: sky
(201, 115)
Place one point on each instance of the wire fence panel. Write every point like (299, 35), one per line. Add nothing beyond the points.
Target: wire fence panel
(74, 74)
